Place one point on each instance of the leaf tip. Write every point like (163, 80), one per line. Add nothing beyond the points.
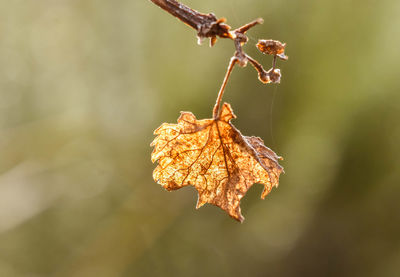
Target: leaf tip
(227, 113)
(187, 117)
(238, 217)
(200, 201)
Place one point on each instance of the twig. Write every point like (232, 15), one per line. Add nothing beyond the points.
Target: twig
(208, 26)
(217, 107)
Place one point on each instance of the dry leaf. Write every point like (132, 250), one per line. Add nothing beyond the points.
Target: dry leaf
(272, 47)
(214, 157)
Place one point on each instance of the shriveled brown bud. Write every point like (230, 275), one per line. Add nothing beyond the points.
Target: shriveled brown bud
(270, 76)
(274, 75)
(272, 47)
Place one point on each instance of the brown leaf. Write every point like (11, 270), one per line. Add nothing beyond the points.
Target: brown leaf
(214, 157)
(272, 47)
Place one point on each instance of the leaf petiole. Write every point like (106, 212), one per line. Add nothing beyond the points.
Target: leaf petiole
(217, 107)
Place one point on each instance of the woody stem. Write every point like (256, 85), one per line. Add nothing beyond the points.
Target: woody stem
(217, 107)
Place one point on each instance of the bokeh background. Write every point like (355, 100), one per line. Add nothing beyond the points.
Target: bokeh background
(84, 83)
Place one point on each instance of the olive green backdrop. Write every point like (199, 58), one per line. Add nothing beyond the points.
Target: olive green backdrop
(83, 84)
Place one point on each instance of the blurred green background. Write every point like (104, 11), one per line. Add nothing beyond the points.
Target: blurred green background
(83, 84)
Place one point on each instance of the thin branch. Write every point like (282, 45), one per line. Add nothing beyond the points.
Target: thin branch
(262, 73)
(246, 27)
(271, 76)
(217, 107)
(184, 13)
(208, 26)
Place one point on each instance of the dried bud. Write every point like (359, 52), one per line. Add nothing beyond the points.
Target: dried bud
(263, 76)
(274, 75)
(270, 76)
(272, 47)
